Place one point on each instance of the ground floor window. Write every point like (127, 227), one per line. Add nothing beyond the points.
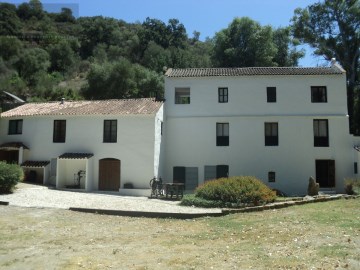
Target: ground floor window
(214, 172)
(271, 176)
(186, 175)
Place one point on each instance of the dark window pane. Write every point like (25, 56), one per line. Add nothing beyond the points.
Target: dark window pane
(222, 134)
(318, 94)
(271, 94)
(271, 176)
(110, 130)
(222, 171)
(271, 134)
(223, 95)
(15, 127)
(59, 131)
(321, 134)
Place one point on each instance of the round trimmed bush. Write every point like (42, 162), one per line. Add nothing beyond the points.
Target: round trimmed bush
(10, 175)
(237, 190)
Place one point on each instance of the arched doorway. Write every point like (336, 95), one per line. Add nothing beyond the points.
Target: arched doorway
(109, 174)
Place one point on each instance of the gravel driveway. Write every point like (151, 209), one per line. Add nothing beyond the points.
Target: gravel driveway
(28, 195)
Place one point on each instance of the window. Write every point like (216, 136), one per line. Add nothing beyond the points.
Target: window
(15, 127)
(214, 172)
(271, 177)
(110, 131)
(321, 133)
(186, 175)
(318, 94)
(59, 131)
(271, 94)
(222, 134)
(223, 94)
(182, 95)
(271, 134)
(355, 168)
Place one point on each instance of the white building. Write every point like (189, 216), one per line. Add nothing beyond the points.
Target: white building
(281, 125)
(108, 143)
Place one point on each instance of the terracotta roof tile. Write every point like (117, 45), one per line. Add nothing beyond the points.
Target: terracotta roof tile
(76, 156)
(97, 107)
(251, 71)
(35, 164)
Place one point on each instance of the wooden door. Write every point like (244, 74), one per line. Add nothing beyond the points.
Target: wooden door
(109, 174)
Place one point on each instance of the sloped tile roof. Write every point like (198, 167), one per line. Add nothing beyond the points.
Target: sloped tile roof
(251, 71)
(98, 107)
(13, 145)
(76, 156)
(35, 164)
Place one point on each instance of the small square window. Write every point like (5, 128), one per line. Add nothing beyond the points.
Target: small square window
(182, 95)
(15, 127)
(318, 94)
(223, 94)
(271, 94)
(271, 177)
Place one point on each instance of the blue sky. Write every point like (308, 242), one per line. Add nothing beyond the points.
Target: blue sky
(204, 16)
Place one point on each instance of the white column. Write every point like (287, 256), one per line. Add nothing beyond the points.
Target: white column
(21, 155)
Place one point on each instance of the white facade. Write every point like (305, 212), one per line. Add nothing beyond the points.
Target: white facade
(190, 129)
(137, 146)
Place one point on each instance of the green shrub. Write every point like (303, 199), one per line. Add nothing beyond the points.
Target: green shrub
(237, 190)
(10, 175)
(192, 200)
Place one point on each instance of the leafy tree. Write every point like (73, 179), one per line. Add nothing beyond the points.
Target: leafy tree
(96, 30)
(32, 61)
(332, 27)
(10, 23)
(10, 47)
(156, 57)
(65, 15)
(244, 44)
(287, 54)
(29, 10)
(62, 57)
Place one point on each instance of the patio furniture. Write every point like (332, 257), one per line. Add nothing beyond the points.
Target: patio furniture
(174, 189)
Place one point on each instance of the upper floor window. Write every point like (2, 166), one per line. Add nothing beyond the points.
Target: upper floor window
(318, 94)
(110, 131)
(271, 94)
(271, 134)
(59, 131)
(321, 133)
(223, 94)
(222, 134)
(15, 127)
(271, 176)
(182, 95)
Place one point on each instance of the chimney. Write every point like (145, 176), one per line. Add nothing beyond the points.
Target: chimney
(62, 100)
(333, 61)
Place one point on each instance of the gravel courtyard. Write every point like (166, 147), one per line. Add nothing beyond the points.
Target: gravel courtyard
(28, 195)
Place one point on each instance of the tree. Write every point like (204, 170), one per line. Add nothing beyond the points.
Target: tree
(244, 44)
(65, 15)
(62, 57)
(332, 27)
(287, 54)
(10, 23)
(32, 61)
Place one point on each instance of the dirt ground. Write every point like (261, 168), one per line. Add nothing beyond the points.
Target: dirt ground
(313, 236)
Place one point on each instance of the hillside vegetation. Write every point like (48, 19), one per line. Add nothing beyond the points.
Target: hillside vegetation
(46, 56)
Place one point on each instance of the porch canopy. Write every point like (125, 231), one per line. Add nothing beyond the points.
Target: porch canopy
(12, 152)
(36, 171)
(72, 171)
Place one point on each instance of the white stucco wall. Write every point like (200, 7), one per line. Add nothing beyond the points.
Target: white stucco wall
(158, 160)
(191, 128)
(84, 134)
